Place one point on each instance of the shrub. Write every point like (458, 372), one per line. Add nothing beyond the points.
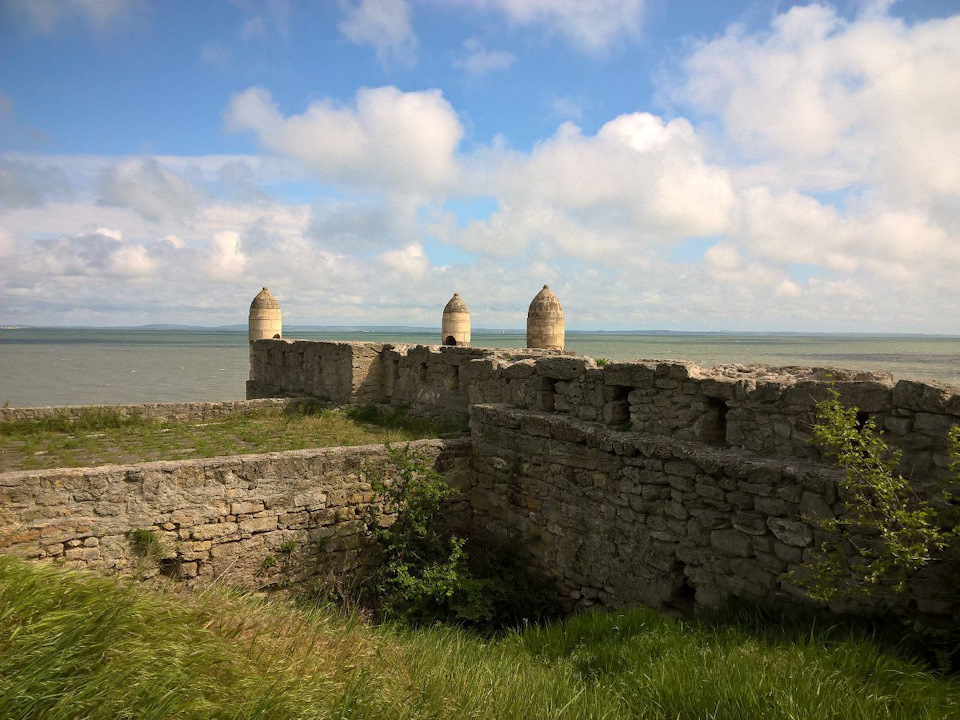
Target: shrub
(425, 574)
(887, 531)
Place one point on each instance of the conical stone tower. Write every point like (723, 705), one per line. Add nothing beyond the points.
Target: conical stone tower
(265, 321)
(455, 327)
(545, 321)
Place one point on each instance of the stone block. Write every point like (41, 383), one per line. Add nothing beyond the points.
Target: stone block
(561, 368)
(213, 531)
(898, 425)
(791, 532)
(934, 425)
(772, 506)
(243, 508)
(731, 542)
(82, 553)
(813, 508)
(749, 523)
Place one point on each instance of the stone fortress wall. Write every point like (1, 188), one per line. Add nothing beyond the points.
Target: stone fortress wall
(647, 482)
(655, 482)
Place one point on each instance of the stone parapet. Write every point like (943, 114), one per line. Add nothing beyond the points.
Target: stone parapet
(172, 412)
(255, 520)
(764, 410)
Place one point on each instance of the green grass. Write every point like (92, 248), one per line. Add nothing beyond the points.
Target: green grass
(104, 437)
(80, 646)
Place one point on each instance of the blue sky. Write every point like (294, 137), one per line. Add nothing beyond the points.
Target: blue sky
(686, 165)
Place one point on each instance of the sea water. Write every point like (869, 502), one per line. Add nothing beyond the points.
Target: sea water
(64, 366)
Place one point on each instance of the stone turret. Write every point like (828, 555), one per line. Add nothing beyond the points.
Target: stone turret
(455, 328)
(265, 320)
(545, 321)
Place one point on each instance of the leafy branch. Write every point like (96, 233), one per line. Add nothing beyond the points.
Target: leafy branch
(886, 532)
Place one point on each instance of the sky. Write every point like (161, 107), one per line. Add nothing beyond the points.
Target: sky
(691, 165)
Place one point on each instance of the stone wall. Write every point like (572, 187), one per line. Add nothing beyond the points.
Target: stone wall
(768, 411)
(656, 482)
(618, 517)
(652, 481)
(171, 412)
(256, 519)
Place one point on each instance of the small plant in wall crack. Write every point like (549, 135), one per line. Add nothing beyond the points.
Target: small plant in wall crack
(146, 543)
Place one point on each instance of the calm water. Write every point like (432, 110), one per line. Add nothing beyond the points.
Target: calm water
(78, 367)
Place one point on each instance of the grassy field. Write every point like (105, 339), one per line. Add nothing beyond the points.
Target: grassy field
(78, 646)
(100, 438)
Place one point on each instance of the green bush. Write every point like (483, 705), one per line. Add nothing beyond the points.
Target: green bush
(425, 574)
(887, 532)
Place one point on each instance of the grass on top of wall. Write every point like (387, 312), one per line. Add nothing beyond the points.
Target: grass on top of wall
(104, 437)
(80, 646)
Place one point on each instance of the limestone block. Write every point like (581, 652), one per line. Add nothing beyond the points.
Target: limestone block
(772, 506)
(731, 542)
(898, 425)
(787, 553)
(934, 425)
(213, 531)
(791, 532)
(814, 508)
(561, 368)
(241, 508)
(927, 396)
(749, 523)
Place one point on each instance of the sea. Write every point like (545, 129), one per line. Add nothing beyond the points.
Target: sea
(81, 366)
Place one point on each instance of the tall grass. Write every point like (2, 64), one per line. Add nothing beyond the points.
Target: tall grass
(79, 646)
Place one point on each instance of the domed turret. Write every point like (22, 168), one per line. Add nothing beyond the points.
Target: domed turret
(455, 328)
(545, 321)
(265, 320)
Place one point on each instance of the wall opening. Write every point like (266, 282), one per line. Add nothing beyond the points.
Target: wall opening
(277, 336)
(422, 374)
(863, 417)
(451, 379)
(683, 596)
(713, 425)
(616, 411)
(548, 393)
(450, 340)
(393, 374)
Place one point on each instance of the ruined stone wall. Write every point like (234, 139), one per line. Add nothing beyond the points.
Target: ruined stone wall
(171, 412)
(618, 517)
(254, 519)
(656, 482)
(768, 411)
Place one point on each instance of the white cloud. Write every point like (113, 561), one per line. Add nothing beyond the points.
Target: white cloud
(411, 261)
(48, 15)
(591, 25)
(639, 182)
(840, 102)
(29, 184)
(224, 260)
(217, 54)
(149, 188)
(478, 60)
(384, 24)
(393, 139)
(272, 18)
(567, 108)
